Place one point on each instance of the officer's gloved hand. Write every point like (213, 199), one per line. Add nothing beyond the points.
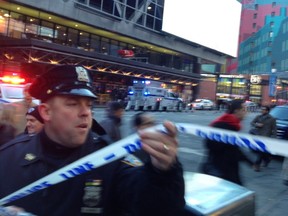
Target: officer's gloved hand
(13, 211)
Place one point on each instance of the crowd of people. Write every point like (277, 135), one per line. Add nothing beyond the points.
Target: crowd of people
(223, 160)
(40, 139)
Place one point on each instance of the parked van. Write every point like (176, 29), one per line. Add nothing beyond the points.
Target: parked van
(152, 98)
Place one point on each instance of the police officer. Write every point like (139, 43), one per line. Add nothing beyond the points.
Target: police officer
(34, 122)
(118, 188)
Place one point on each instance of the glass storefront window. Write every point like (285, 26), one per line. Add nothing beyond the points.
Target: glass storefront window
(176, 62)
(122, 45)
(114, 47)
(46, 31)
(4, 17)
(151, 9)
(72, 37)
(129, 12)
(104, 46)
(95, 43)
(255, 90)
(60, 35)
(224, 85)
(239, 86)
(96, 3)
(84, 41)
(187, 65)
(149, 22)
(32, 27)
(165, 60)
(16, 25)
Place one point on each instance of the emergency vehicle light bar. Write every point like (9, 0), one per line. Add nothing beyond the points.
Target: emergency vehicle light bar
(12, 79)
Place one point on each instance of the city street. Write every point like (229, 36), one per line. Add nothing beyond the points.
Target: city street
(153, 55)
(271, 194)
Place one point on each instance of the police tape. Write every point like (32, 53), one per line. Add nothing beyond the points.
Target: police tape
(258, 143)
(132, 143)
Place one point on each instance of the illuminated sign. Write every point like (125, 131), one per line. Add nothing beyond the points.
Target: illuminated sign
(231, 76)
(255, 79)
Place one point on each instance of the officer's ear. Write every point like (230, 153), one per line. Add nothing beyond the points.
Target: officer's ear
(44, 111)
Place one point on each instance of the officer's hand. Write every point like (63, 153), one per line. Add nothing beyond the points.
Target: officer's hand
(161, 147)
(13, 211)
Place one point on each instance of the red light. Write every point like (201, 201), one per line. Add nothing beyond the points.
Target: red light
(12, 79)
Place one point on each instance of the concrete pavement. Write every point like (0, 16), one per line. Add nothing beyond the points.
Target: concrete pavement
(271, 194)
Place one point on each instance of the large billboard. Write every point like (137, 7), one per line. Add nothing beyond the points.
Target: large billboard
(211, 23)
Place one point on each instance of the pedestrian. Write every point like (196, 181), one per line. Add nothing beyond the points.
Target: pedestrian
(141, 121)
(223, 159)
(113, 119)
(117, 188)
(218, 105)
(7, 129)
(284, 171)
(7, 132)
(263, 125)
(34, 122)
(20, 109)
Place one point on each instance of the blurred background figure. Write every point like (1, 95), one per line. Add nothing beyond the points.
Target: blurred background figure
(224, 160)
(113, 119)
(263, 125)
(17, 111)
(7, 129)
(7, 132)
(285, 171)
(142, 121)
(34, 122)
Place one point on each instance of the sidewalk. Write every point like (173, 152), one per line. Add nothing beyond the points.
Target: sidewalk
(271, 194)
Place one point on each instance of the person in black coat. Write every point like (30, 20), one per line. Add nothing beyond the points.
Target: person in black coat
(263, 125)
(112, 122)
(118, 188)
(7, 132)
(223, 159)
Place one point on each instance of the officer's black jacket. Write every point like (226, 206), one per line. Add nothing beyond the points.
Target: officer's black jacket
(111, 190)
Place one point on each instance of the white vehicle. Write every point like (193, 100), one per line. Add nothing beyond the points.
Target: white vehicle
(11, 93)
(171, 102)
(135, 93)
(251, 106)
(152, 98)
(201, 104)
(11, 89)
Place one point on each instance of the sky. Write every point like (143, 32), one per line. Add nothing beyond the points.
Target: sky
(211, 23)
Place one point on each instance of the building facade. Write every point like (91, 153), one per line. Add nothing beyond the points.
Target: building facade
(260, 89)
(120, 41)
(262, 22)
(263, 46)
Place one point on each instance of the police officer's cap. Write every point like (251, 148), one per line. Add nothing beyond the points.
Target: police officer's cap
(62, 80)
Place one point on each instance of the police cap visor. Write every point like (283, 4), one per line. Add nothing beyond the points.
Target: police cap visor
(78, 92)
